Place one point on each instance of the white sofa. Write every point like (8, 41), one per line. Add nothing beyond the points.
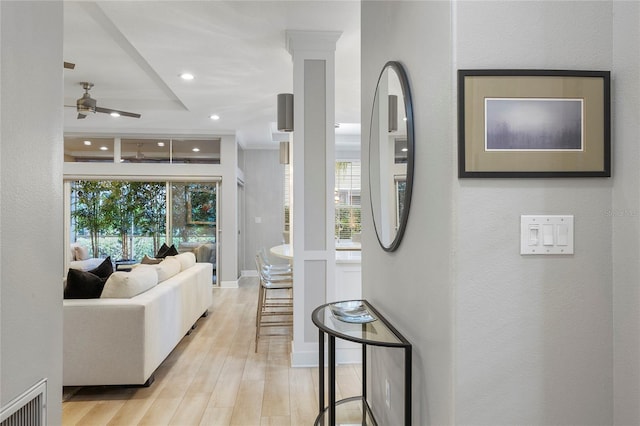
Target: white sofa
(121, 341)
(79, 258)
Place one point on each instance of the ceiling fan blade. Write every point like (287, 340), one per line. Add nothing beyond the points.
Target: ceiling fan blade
(69, 65)
(122, 113)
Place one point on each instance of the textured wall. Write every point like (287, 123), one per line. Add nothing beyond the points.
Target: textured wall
(500, 338)
(625, 212)
(264, 199)
(31, 201)
(413, 286)
(533, 334)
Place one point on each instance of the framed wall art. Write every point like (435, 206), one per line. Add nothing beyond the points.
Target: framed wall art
(534, 123)
(201, 206)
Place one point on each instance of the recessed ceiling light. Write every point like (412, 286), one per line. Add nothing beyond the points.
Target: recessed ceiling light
(404, 119)
(160, 143)
(114, 114)
(405, 149)
(103, 148)
(186, 76)
(87, 143)
(214, 117)
(196, 150)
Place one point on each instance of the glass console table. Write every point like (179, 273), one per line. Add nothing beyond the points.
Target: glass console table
(360, 323)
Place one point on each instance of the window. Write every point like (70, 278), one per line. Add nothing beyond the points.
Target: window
(346, 197)
(161, 150)
(117, 218)
(127, 220)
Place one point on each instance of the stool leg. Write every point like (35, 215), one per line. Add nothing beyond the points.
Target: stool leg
(261, 296)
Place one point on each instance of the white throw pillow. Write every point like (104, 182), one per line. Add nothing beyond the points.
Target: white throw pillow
(122, 284)
(186, 259)
(167, 268)
(80, 252)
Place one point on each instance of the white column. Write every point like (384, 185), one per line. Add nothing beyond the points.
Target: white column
(312, 210)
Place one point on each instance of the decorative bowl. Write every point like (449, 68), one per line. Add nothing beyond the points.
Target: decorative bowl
(353, 311)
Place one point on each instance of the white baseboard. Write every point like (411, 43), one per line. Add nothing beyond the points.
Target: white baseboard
(304, 359)
(344, 355)
(229, 284)
(249, 273)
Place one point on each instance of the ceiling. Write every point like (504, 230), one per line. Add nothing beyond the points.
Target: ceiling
(134, 51)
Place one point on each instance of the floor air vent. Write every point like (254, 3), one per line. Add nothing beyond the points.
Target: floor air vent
(28, 409)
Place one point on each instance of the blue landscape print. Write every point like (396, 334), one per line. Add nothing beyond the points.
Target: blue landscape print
(533, 124)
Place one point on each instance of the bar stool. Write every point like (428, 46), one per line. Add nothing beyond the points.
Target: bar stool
(274, 268)
(275, 310)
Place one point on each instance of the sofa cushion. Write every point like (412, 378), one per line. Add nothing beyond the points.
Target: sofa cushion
(187, 260)
(86, 265)
(146, 260)
(167, 268)
(123, 284)
(83, 285)
(104, 269)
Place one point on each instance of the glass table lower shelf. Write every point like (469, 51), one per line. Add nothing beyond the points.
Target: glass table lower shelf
(349, 412)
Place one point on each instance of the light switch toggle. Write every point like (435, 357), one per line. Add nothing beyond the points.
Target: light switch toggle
(563, 235)
(546, 234)
(534, 231)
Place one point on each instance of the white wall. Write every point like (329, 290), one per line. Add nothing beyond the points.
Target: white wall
(413, 286)
(533, 335)
(264, 201)
(31, 200)
(500, 338)
(625, 212)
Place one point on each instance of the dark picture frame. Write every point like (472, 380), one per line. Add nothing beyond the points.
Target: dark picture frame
(534, 123)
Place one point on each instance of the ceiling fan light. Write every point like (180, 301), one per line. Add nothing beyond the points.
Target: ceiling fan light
(85, 108)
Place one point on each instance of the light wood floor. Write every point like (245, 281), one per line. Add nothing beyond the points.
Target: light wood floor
(215, 377)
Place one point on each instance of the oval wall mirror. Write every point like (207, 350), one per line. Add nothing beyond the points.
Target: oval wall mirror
(391, 155)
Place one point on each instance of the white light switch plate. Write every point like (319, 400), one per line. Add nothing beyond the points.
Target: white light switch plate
(546, 234)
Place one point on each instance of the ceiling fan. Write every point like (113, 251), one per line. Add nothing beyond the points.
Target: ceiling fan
(86, 104)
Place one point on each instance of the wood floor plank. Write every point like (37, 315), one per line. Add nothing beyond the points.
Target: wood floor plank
(190, 410)
(303, 396)
(216, 416)
(101, 413)
(132, 412)
(73, 412)
(276, 421)
(215, 377)
(248, 407)
(275, 401)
